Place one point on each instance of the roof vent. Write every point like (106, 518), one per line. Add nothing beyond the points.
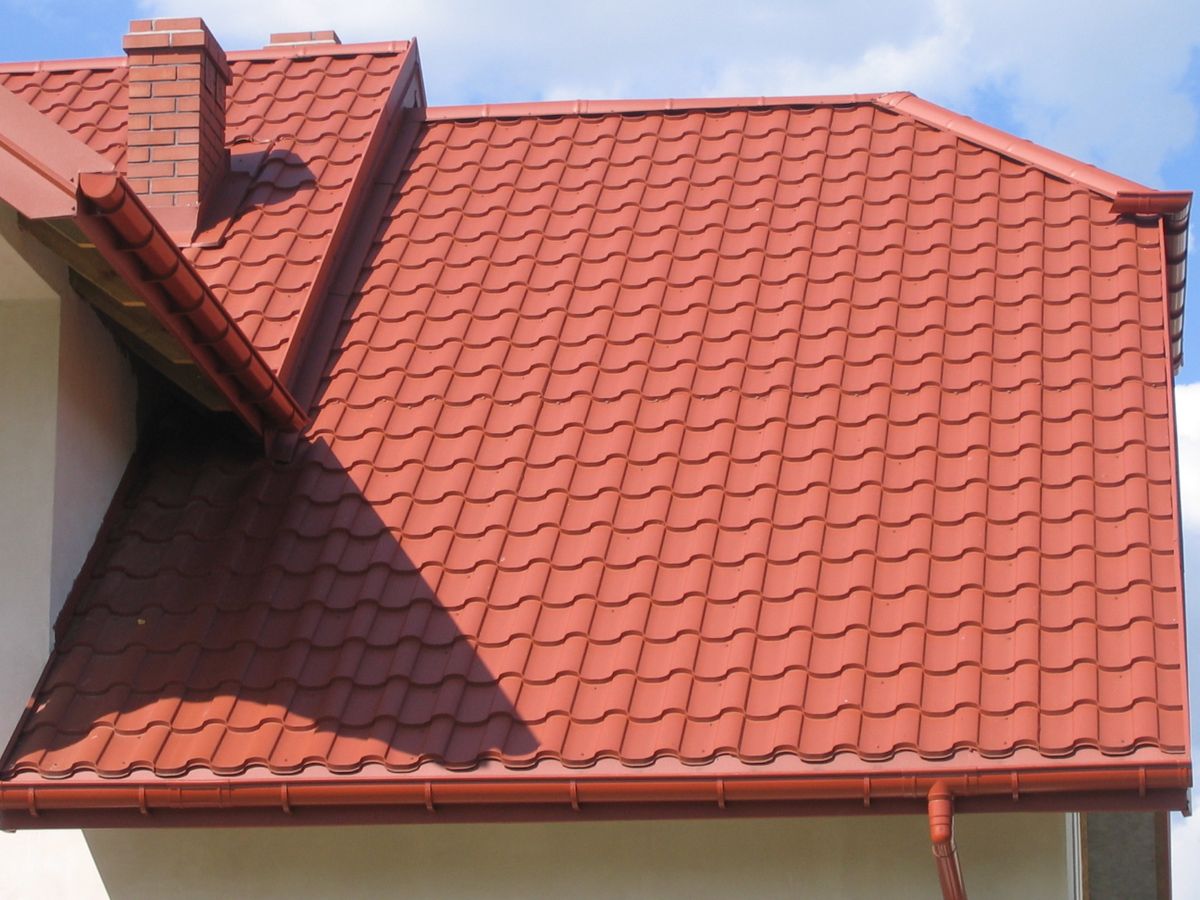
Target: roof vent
(177, 80)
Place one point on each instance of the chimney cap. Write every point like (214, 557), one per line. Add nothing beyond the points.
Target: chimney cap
(292, 38)
(158, 35)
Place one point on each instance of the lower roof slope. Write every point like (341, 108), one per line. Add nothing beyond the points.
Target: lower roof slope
(808, 434)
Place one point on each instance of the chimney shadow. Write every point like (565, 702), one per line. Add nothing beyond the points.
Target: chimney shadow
(260, 177)
(243, 612)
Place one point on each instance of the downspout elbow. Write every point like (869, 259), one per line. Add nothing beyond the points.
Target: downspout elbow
(941, 833)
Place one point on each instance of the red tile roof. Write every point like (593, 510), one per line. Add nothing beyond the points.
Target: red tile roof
(299, 123)
(798, 438)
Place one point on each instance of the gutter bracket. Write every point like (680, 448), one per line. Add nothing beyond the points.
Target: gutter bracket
(941, 833)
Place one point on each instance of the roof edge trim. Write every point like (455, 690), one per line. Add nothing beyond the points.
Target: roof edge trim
(40, 161)
(95, 63)
(1159, 786)
(124, 231)
(348, 219)
(611, 107)
(1009, 145)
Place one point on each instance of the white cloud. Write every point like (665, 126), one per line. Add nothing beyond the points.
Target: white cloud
(1101, 83)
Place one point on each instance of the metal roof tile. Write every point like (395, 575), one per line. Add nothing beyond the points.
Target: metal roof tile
(805, 431)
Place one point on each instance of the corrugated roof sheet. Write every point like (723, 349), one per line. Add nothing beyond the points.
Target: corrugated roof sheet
(810, 433)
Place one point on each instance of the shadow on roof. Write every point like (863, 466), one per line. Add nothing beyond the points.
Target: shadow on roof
(262, 176)
(248, 613)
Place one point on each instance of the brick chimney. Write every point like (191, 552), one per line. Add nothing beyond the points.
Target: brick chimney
(177, 80)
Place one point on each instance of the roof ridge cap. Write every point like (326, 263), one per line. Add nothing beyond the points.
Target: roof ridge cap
(94, 63)
(1007, 144)
(263, 54)
(618, 107)
(408, 81)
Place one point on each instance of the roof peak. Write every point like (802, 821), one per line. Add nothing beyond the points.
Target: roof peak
(1007, 144)
(618, 107)
(902, 102)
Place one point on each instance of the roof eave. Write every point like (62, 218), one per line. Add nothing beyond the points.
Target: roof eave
(139, 249)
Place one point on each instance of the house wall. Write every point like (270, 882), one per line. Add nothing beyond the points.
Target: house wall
(1003, 856)
(67, 429)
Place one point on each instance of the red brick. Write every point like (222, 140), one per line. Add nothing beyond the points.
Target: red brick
(142, 138)
(176, 184)
(193, 23)
(176, 88)
(143, 41)
(305, 37)
(189, 39)
(153, 169)
(175, 120)
(187, 135)
(159, 104)
(173, 151)
(154, 73)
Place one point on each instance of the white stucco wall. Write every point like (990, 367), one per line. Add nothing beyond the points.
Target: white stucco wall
(93, 440)
(28, 399)
(67, 429)
(1003, 856)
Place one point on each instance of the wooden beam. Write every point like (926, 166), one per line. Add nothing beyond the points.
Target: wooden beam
(137, 321)
(82, 257)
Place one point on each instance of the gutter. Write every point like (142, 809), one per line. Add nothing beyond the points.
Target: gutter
(133, 242)
(1135, 787)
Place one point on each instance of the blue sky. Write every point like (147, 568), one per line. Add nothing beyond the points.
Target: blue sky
(1114, 83)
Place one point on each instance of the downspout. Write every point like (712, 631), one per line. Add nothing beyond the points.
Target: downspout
(941, 833)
